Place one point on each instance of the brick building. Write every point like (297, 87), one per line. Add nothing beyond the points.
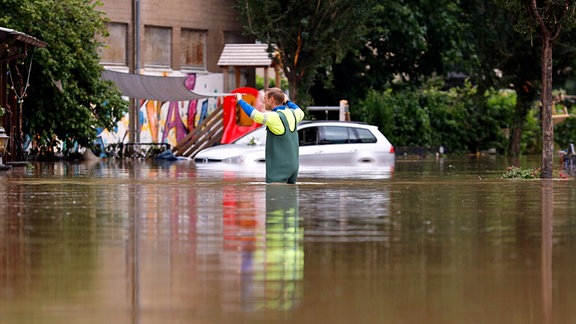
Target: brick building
(169, 38)
(175, 36)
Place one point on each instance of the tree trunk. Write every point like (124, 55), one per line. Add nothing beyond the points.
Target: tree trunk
(293, 90)
(292, 83)
(547, 126)
(516, 134)
(525, 97)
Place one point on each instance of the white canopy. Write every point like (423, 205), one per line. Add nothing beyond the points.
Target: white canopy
(158, 87)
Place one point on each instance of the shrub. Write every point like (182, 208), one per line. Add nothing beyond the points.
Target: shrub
(459, 118)
(520, 173)
(514, 172)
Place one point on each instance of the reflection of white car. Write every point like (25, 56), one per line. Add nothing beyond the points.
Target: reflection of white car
(321, 143)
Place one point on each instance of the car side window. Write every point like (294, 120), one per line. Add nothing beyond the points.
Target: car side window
(364, 136)
(308, 136)
(333, 135)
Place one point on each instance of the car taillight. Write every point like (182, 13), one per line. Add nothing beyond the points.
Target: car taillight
(391, 149)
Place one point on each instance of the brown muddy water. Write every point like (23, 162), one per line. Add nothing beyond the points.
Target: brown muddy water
(426, 241)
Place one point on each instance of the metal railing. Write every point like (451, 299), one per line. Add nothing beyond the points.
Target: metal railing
(135, 150)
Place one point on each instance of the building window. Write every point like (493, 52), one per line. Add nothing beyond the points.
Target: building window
(192, 54)
(114, 51)
(156, 51)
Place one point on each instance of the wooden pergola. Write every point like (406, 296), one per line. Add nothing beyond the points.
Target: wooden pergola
(14, 46)
(240, 56)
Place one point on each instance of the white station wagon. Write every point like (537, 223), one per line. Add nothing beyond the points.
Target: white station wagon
(322, 143)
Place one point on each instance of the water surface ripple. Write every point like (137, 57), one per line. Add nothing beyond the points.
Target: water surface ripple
(426, 241)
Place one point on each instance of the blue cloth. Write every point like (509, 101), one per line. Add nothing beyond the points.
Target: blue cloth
(168, 155)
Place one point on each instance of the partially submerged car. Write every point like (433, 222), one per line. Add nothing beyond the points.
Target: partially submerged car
(321, 143)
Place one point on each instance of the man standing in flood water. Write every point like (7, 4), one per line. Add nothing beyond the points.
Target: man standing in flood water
(280, 118)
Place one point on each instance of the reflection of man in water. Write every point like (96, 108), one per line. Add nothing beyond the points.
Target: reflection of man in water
(272, 266)
(284, 254)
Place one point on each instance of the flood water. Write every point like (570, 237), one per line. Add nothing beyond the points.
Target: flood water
(427, 241)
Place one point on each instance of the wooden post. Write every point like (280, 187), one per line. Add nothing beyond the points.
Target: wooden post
(237, 77)
(277, 75)
(226, 77)
(266, 78)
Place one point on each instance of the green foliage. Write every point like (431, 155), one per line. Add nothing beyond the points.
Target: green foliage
(308, 35)
(549, 19)
(496, 109)
(407, 41)
(514, 172)
(396, 115)
(520, 173)
(459, 119)
(552, 12)
(84, 102)
(531, 142)
(260, 83)
(415, 40)
(565, 132)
